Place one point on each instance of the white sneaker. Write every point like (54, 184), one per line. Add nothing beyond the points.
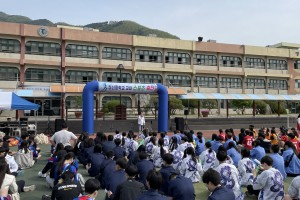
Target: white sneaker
(29, 188)
(40, 174)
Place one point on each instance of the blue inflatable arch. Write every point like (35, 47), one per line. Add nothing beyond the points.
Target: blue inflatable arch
(108, 87)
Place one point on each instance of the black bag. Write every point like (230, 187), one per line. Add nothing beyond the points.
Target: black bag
(287, 162)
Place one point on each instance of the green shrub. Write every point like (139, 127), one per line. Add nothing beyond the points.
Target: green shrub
(110, 106)
(261, 107)
(274, 106)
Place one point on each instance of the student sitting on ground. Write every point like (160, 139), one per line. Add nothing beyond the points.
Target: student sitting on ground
(181, 187)
(212, 179)
(207, 157)
(229, 175)
(24, 156)
(131, 188)
(95, 160)
(268, 182)
(154, 180)
(68, 189)
(294, 190)
(245, 167)
(144, 166)
(92, 186)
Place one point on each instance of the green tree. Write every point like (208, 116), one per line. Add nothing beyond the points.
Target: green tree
(274, 106)
(110, 106)
(190, 103)
(175, 104)
(261, 107)
(241, 105)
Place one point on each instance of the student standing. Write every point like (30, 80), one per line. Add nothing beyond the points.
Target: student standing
(141, 122)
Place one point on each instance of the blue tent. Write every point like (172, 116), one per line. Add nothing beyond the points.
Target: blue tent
(11, 101)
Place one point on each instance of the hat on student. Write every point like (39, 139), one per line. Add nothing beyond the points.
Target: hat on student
(291, 135)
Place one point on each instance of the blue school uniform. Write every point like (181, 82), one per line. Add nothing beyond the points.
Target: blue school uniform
(96, 161)
(144, 166)
(166, 172)
(116, 178)
(200, 146)
(119, 152)
(178, 138)
(278, 163)
(106, 168)
(227, 142)
(235, 156)
(152, 195)
(215, 145)
(294, 165)
(221, 193)
(181, 188)
(257, 153)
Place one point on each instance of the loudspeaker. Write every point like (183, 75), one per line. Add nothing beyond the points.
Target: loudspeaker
(179, 121)
(186, 112)
(200, 39)
(58, 123)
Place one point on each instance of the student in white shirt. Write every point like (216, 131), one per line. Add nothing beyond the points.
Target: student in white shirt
(207, 157)
(268, 182)
(141, 122)
(184, 144)
(246, 167)
(159, 152)
(150, 147)
(229, 175)
(190, 168)
(294, 189)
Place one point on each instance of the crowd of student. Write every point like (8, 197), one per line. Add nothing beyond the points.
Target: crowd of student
(157, 166)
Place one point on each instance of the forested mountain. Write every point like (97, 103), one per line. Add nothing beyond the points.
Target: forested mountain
(123, 27)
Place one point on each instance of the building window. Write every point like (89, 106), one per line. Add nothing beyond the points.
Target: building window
(179, 80)
(82, 51)
(43, 48)
(255, 63)
(9, 73)
(178, 58)
(231, 61)
(42, 75)
(73, 76)
(231, 82)
(255, 83)
(206, 82)
(124, 100)
(10, 46)
(297, 83)
(148, 56)
(115, 77)
(278, 84)
(297, 64)
(148, 78)
(277, 64)
(116, 53)
(207, 60)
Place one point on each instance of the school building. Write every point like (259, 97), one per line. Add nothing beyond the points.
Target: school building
(50, 65)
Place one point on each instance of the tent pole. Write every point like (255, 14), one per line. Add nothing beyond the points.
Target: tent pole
(227, 109)
(278, 102)
(254, 108)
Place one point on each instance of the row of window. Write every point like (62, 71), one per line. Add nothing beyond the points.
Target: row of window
(72, 76)
(87, 51)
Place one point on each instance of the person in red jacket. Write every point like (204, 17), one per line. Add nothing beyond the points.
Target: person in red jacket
(291, 137)
(248, 139)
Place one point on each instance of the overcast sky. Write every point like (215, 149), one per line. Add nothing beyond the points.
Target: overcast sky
(249, 22)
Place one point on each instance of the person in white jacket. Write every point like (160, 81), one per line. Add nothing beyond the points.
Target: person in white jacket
(141, 122)
(207, 157)
(190, 168)
(246, 167)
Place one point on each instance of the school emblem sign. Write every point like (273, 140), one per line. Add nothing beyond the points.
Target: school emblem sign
(43, 31)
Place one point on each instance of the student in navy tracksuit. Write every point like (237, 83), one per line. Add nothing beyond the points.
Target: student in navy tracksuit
(106, 168)
(95, 161)
(116, 178)
(166, 170)
(212, 179)
(118, 150)
(144, 166)
(154, 179)
(181, 188)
